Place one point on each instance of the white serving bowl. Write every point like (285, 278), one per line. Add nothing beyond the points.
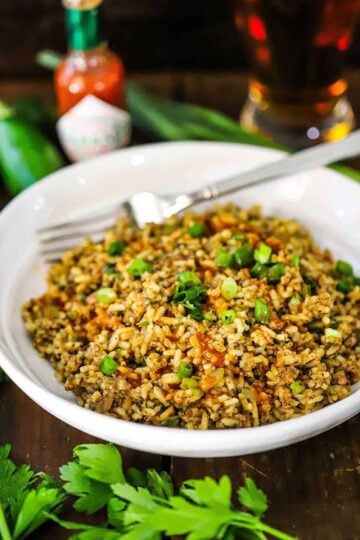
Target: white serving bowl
(325, 201)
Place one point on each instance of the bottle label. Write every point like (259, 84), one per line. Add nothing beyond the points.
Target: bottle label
(93, 127)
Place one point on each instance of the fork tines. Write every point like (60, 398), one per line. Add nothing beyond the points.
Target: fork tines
(60, 237)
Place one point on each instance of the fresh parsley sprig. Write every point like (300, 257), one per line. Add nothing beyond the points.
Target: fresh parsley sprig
(140, 505)
(144, 506)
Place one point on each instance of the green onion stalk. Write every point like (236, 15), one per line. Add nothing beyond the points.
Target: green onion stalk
(173, 121)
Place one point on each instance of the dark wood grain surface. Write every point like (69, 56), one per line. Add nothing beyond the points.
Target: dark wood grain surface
(313, 487)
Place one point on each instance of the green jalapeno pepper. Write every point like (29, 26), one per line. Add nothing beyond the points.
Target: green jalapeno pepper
(26, 155)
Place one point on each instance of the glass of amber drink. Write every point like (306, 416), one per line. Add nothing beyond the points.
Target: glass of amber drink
(297, 93)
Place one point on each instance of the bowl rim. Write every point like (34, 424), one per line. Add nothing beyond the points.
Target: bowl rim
(159, 439)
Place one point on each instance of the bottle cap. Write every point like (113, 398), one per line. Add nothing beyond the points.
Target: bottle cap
(81, 4)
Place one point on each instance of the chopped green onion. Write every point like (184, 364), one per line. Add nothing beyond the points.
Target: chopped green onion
(297, 387)
(191, 294)
(197, 393)
(262, 311)
(138, 267)
(116, 248)
(332, 333)
(189, 276)
(276, 272)
(344, 286)
(316, 329)
(263, 254)
(295, 261)
(243, 256)
(344, 268)
(223, 259)
(172, 421)
(108, 365)
(228, 316)
(210, 316)
(331, 390)
(295, 300)
(310, 287)
(109, 269)
(185, 370)
(259, 270)
(106, 295)
(188, 383)
(196, 230)
(238, 236)
(228, 288)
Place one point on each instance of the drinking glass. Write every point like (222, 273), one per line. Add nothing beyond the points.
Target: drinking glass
(297, 93)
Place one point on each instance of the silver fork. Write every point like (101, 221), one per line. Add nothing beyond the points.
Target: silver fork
(146, 207)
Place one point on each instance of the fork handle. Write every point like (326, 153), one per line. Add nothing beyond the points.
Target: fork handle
(320, 155)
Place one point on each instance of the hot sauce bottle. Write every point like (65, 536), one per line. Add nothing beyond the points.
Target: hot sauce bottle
(89, 86)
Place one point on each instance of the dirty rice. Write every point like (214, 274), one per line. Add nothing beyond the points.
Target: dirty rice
(135, 354)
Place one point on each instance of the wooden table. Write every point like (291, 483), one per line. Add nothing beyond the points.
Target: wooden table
(313, 487)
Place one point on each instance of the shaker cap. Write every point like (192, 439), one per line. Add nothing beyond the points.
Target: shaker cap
(81, 4)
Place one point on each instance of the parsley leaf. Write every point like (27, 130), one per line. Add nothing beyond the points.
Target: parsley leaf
(141, 531)
(184, 517)
(115, 512)
(89, 477)
(25, 498)
(159, 484)
(137, 513)
(208, 492)
(37, 502)
(92, 495)
(143, 502)
(101, 462)
(253, 498)
(135, 477)
(14, 481)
